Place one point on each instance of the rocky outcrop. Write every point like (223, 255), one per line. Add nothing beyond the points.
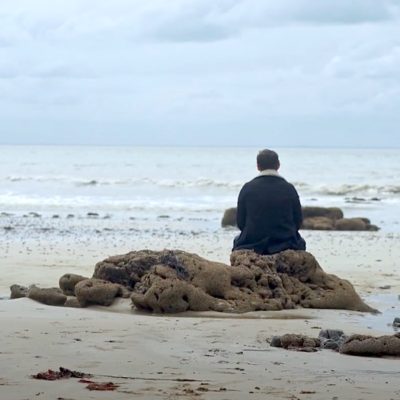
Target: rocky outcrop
(176, 281)
(356, 345)
(317, 218)
(362, 345)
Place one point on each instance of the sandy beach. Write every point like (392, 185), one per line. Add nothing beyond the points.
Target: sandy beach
(140, 141)
(203, 355)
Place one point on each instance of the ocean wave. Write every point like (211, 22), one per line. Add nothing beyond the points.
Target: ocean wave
(348, 189)
(16, 201)
(371, 190)
(200, 182)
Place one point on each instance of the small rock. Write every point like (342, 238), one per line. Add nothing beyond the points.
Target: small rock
(396, 322)
(68, 282)
(331, 338)
(49, 296)
(276, 341)
(96, 291)
(18, 291)
(92, 215)
(34, 214)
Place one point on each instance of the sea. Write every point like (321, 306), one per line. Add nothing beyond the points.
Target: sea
(182, 186)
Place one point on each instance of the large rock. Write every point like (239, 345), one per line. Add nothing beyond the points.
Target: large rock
(327, 212)
(354, 224)
(49, 296)
(96, 291)
(362, 345)
(318, 223)
(229, 218)
(356, 345)
(175, 281)
(68, 282)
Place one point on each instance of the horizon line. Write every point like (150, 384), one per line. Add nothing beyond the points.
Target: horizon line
(369, 147)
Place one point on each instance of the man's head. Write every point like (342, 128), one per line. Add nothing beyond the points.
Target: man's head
(267, 159)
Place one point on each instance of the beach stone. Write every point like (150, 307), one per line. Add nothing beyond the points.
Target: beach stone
(49, 296)
(275, 341)
(318, 223)
(299, 342)
(229, 218)
(331, 338)
(92, 214)
(68, 282)
(176, 281)
(363, 345)
(18, 291)
(72, 301)
(34, 214)
(96, 291)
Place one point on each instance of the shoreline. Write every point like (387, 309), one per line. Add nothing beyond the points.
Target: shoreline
(224, 356)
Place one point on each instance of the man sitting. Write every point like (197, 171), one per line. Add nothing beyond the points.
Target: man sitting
(269, 212)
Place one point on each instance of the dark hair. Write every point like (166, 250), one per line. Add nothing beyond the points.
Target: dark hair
(267, 159)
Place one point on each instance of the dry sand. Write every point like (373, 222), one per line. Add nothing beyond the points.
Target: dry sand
(195, 356)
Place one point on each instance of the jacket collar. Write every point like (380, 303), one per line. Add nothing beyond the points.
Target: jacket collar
(270, 172)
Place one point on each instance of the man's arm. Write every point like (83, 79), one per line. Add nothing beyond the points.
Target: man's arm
(297, 211)
(241, 210)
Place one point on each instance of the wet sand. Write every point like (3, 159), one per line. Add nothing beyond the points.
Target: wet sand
(205, 355)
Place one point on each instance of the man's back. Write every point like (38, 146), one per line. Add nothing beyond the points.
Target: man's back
(269, 216)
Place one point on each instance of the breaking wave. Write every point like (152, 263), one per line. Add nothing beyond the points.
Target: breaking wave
(200, 182)
(370, 190)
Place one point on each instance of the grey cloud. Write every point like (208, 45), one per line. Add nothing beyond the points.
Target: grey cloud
(188, 31)
(190, 22)
(210, 67)
(186, 20)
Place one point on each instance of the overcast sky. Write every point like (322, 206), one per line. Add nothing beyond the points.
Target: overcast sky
(202, 72)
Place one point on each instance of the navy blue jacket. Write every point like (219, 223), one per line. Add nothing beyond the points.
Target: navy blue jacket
(269, 216)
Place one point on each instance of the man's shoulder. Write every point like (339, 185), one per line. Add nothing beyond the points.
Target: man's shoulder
(276, 181)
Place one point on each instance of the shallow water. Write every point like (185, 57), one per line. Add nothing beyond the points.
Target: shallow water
(121, 182)
(389, 307)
